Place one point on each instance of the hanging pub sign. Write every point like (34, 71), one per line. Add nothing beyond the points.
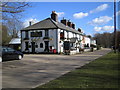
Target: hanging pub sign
(36, 34)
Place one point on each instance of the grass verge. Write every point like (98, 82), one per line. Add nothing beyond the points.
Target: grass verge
(101, 73)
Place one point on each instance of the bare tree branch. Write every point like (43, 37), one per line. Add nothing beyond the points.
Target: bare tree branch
(14, 7)
(11, 15)
(12, 11)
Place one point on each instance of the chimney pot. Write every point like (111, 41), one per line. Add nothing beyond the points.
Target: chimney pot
(73, 25)
(54, 16)
(30, 23)
(79, 30)
(69, 23)
(64, 21)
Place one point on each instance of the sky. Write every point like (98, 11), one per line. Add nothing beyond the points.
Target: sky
(91, 17)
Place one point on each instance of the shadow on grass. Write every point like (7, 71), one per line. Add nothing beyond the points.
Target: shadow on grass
(101, 73)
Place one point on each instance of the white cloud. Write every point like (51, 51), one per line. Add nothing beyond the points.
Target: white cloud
(100, 20)
(26, 22)
(80, 15)
(118, 13)
(100, 8)
(97, 29)
(60, 14)
(104, 28)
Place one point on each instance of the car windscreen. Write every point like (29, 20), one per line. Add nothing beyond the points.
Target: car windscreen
(10, 50)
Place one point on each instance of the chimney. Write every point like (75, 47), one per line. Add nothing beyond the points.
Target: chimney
(73, 25)
(30, 23)
(79, 30)
(54, 16)
(69, 23)
(64, 21)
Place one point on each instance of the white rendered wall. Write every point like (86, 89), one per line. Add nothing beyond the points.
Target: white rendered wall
(70, 35)
(38, 40)
(56, 43)
(52, 34)
(87, 41)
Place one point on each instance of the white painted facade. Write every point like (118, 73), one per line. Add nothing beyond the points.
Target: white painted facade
(93, 42)
(38, 40)
(55, 41)
(87, 41)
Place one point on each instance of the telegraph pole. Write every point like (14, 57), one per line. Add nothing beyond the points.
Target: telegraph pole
(115, 40)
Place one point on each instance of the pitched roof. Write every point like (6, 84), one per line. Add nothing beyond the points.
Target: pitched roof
(44, 24)
(50, 24)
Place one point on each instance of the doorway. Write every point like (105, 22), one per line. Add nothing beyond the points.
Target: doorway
(33, 47)
(46, 46)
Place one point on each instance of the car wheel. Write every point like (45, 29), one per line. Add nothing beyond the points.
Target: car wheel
(19, 57)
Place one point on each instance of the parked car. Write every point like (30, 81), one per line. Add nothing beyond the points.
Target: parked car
(11, 54)
(0, 59)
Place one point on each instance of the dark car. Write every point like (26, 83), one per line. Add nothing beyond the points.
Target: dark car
(11, 54)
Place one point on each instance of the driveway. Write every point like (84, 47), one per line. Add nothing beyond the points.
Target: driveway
(35, 70)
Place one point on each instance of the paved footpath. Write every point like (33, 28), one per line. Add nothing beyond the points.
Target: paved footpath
(35, 70)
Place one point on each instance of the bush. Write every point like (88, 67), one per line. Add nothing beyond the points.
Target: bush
(98, 47)
(94, 46)
(91, 49)
(81, 50)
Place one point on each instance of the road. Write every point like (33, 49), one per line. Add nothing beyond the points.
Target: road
(35, 70)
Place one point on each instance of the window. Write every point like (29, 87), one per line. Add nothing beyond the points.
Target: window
(41, 45)
(46, 33)
(26, 45)
(36, 46)
(36, 34)
(10, 50)
(62, 35)
(71, 45)
(4, 50)
(26, 34)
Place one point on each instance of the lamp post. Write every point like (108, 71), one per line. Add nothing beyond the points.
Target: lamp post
(115, 40)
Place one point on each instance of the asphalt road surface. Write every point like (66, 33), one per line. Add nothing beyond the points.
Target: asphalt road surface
(35, 70)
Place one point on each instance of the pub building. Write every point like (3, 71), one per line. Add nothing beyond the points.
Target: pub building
(52, 36)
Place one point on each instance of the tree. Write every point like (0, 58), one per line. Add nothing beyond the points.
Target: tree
(5, 36)
(118, 38)
(14, 25)
(11, 16)
(9, 9)
(14, 7)
(0, 40)
(104, 40)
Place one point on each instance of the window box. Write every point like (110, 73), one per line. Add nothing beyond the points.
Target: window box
(47, 38)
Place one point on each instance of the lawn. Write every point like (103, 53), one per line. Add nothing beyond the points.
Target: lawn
(101, 73)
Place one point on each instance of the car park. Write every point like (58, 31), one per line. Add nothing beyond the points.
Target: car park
(11, 54)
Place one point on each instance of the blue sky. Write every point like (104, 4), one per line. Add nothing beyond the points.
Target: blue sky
(92, 17)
